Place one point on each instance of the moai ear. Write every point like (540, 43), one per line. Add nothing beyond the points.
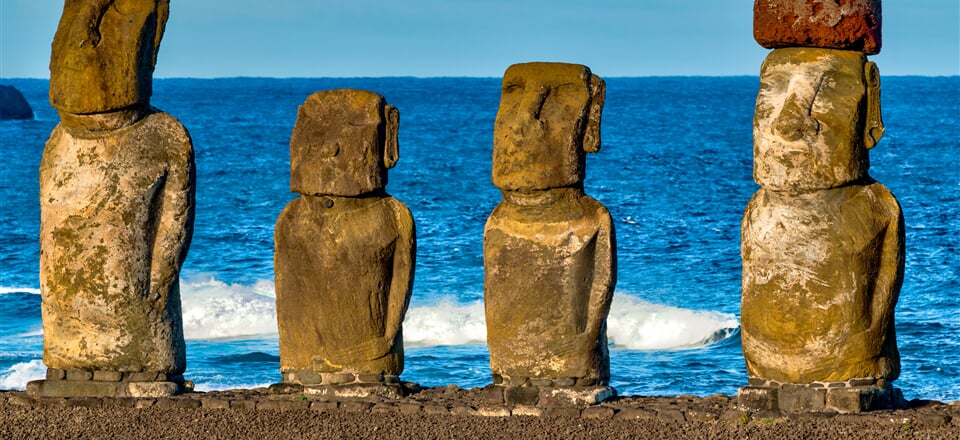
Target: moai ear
(591, 136)
(163, 11)
(873, 124)
(391, 146)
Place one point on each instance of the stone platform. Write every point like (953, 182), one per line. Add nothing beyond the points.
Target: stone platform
(852, 396)
(547, 396)
(80, 383)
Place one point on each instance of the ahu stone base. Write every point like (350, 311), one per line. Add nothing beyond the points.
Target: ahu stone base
(344, 385)
(79, 383)
(852, 396)
(547, 396)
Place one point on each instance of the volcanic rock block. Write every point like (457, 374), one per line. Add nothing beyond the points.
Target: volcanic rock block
(833, 24)
(104, 53)
(549, 249)
(822, 242)
(117, 211)
(344, 250)
(13, 105)
(852, 396)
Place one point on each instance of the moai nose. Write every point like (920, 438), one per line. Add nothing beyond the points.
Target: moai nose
(794, 119)
(536, 100)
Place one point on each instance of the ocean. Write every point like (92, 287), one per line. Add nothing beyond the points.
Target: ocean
(674, 171)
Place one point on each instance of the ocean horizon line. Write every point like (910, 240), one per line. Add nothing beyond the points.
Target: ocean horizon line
(415, 77)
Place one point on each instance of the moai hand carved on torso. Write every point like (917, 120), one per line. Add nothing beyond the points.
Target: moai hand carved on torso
(549, 249)
(116, 195)
(345, 250)
(822, 242)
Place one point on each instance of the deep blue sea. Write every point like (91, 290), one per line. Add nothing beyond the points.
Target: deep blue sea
(674, 171)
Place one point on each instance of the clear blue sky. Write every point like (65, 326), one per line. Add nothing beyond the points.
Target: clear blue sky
(324, 38)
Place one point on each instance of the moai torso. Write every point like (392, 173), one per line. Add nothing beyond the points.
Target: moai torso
(335, 275)
(827, 254)
(549, 250)
(344, 250)
(822, 243)
(117, 208)
(116, 197)
(545, 291)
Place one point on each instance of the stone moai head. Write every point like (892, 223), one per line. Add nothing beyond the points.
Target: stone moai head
(817, 113)
(104, 53)
(343, 143)
(549, 116)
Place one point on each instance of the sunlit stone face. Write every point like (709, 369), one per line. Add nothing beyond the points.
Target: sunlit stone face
(103, 54)
(809, 119)
(538, 134)
(337, 146)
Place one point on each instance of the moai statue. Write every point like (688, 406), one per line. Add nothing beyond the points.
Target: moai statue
(822, 242)
(345, 249)
(549, 250)
(117, 205)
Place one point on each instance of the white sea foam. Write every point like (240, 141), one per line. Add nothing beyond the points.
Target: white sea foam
(218, 386)
(17, 376)
(445, 323)
(640, 325)
(213, 309)
(5, 290)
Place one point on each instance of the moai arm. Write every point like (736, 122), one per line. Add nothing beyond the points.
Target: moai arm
(605, 255)
(174, 226)
(889, 274)
(891, 264)
(404, 259)
(604, 275)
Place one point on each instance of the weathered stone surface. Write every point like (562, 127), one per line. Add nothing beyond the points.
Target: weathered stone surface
(79, 375)
(822, 242)
(549, 249)
(529, 411)
(355, 391)
(343, 143)
(759, 398)
(492, 412)
(13, 105)
(107, 376)
(575, 396)
(150, 389)
(834, 397)
(117, 212)
(522, 395)
(95, 388)
(345, 250)
(798, 398)
(104, 53)
(836, 24)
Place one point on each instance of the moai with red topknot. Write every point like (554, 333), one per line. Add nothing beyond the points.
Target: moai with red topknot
(822, 242)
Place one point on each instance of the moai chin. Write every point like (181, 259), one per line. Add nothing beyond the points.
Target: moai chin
(822, 242)
(549, 249)
(345, 249)
(117, 206)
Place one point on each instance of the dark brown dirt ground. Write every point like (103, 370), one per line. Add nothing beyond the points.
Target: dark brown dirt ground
(440, 413)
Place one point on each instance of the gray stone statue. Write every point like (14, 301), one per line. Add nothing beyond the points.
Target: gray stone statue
(345, 249)
(549, 249)
(117, 207)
